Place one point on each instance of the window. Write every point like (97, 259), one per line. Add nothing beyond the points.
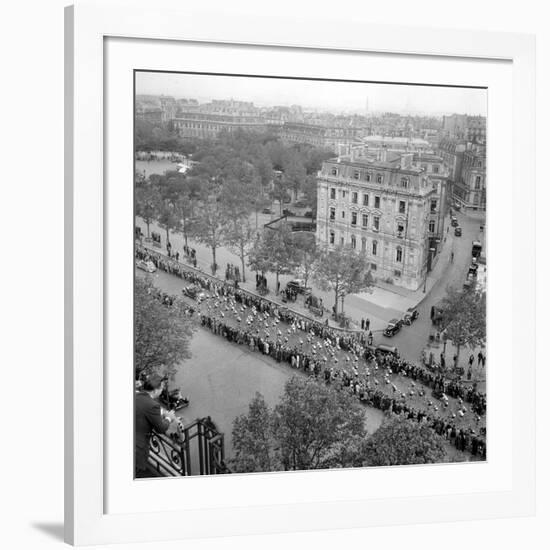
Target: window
(354, 198)
(376, 202)
(404, 183)
(365, 220)
(435, 168)
(332, 237)
(342, 241)
(367, 177)
(397, 273)
(432, 226)
(379, 178)
(356, 175)
(433, 206)
(332, 193)
(343, 194)
(374, 247)
(400, 229)
(478, 182)
(401, 207)
(343, 214)
(373, 267)
(354, 218)
(365, 200)
(353, 242)
(399, 254)
(376, 223)
(332, 213)
(334, 171)
(363, 244)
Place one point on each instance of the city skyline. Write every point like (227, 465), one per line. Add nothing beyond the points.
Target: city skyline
(352, 97)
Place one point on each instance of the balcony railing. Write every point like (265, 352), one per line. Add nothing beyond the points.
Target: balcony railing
(197, 449)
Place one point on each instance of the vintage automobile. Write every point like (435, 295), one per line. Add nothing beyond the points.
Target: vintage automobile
(173, 399)
(394, 326)
(266, 211)
(410, 316)
(454, 221)
(146, 265)
(472, 270)
(298, 286)
(194, 291)
(458, 231)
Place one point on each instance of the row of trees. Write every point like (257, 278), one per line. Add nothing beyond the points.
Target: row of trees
(316, 426)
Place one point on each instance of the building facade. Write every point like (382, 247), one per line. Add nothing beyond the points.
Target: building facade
(319, 136)
(209, 125)
(470, 191)
(387, 211)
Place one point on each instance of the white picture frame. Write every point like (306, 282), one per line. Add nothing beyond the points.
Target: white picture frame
(91, 237)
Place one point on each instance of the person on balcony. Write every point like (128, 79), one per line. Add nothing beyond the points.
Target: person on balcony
(149, 416)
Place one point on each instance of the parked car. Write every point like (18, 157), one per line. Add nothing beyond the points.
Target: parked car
(173, 399)
(299, 286)
(454, 221)
(394, 326)
(308, 214)
(300, 204)
(458, 231)
(287, 212)
(146, 265)
(266, 211)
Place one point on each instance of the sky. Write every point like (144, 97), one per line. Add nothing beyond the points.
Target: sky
(320, 95)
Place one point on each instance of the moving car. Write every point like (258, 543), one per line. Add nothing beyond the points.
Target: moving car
(458, 231)
(410, 315)
(298, 286)
(394, 326)
(454, 221)
(194, 291)
(146, 265)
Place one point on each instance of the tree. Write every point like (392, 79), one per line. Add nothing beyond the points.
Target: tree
(294, 173)
(310, 194)
(147, 200)
(343, 271)
(253, 439)
(313, 426)
(162, 334)
(167, 217)
(274, 252)
(402, 441)
(306, 251)
(238, 233)
(209, 227)
(318, 426)
(464, 318)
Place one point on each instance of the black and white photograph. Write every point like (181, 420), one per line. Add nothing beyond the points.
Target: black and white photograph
(310, 274)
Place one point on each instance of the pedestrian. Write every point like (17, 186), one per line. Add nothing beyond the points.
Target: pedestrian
(471, 361)
(479, 358)
(469, 375)
(455, 359)
(452, 257)
(362, 324)
(367, 324)
(177, 256)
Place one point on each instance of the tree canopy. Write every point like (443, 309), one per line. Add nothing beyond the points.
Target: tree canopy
(313, 426)
(342, 271)
(402, 441)
(162, 333)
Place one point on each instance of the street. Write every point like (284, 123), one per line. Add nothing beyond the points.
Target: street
(380, 306)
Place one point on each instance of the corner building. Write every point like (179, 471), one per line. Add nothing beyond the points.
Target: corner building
(389, 211)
